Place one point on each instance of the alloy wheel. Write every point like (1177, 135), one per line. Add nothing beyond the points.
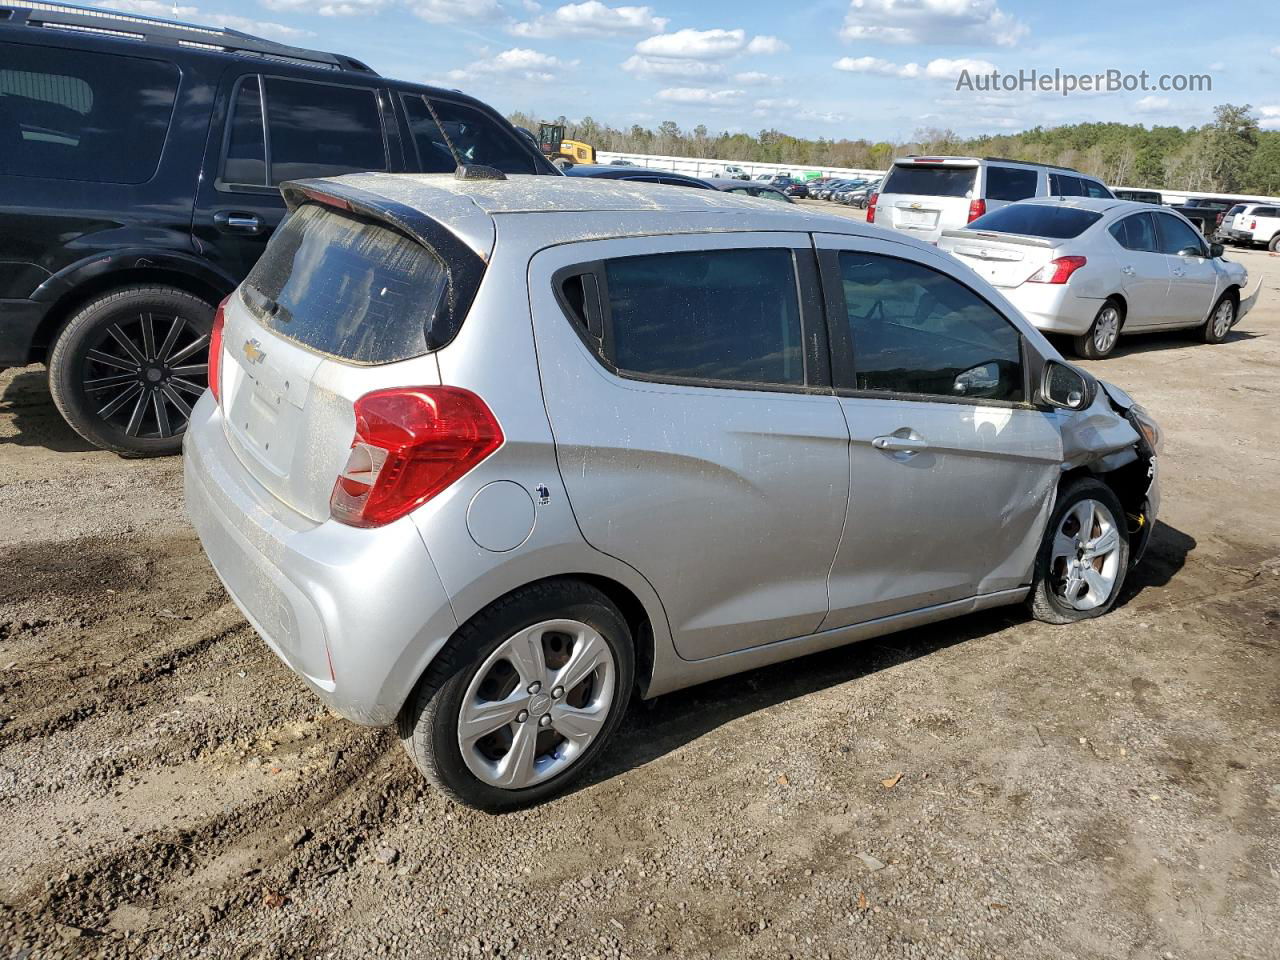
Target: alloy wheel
(143, 374)
(1222, 318)
(1085, 561)
(537, 703)
(1105, 329)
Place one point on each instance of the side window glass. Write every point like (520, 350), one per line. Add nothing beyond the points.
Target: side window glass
(322, 130)
(1139, 233)
(1092, 188)
(730, 316)
(1175, 236)
(1061, 185)
(476, 137)
(1010, 183)
(246, 159)
(1120, 231)
(918, 331)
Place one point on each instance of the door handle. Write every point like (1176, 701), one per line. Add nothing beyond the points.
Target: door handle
(900, 444)
(1128, 271)
(234, 221)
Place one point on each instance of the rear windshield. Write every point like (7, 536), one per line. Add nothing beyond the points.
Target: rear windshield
(1037, 220)
(930, 181)
(347, 287)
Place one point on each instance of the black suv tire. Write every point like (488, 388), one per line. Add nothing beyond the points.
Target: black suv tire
(128, 367)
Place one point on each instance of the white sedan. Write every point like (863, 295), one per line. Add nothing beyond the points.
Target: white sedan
(1096, 268)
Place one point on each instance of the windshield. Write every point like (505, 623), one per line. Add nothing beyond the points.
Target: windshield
(931, 181)
(1037, 220)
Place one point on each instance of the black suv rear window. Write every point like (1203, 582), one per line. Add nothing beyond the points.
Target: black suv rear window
(73, 115)
(930, 181)
(347, 287)
(1037, 220)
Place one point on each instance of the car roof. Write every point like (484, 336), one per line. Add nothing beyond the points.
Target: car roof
(569, 209)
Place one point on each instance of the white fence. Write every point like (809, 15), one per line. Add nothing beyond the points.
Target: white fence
(716, 168)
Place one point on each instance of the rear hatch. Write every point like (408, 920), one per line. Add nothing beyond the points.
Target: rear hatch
(926, 195)
(342, 302)
(1009, 245)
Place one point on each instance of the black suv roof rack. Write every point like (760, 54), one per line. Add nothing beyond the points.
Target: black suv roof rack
(133, 26)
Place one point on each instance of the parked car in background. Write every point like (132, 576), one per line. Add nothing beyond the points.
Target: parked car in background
(1238, 223)
(826, 189)
(140, 178)
(762, 191)
(861, 196)
(1094, 269)
(790, 186)
(766, 177)
(734, 172)
(572, 449)
(923, 196)
(637, 175)
(1207, 213)
(1263, 224)
(1139, 196)
(847, 189)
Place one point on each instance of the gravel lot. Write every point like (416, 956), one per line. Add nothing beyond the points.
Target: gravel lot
(989, 787)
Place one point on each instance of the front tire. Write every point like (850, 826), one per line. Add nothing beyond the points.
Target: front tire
(1274, 245)
(1101, 337)
(1084, 556)
(128, 367)
(1221, 319)
(523, 698)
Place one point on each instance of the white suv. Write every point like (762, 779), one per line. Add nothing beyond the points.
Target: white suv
(925, 195)
(1262, 226)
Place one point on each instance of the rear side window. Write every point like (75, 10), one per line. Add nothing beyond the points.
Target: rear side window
(1037, 220)
(73, 115)
(1136, 233)
(1266, 212)
(1061, 185)
(311, 130)
(475, 137)
(1092, 188)
(1010, 183)
(917, 331)
(729, 316)
(347, 287)
(931, 181)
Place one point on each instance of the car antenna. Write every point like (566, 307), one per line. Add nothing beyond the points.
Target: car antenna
(463, 170)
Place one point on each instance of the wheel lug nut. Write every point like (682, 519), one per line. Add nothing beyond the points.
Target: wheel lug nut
(544, 720)
(535, 687)
(522, 716)
(557, 693)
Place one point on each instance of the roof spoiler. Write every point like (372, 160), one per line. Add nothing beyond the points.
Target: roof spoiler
(977, 236)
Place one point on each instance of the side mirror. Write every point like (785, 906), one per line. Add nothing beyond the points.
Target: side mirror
(1216, 250)
(1191, 252)
(977, 381)
(1065, 387)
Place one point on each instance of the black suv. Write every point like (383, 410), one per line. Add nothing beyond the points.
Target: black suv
(139, 164)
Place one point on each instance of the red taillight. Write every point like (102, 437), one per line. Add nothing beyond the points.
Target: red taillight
(410, 444)
(871, 208)
(215, 351)
(1253, 225)
(976, 209)
(1057, 271)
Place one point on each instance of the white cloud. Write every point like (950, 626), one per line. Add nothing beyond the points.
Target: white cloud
(155, 8)
(327, 8)
(766, 44)
(1152, 104)
(591, 18)
(877, 65)
(452, 11)
(700, 95)
(943, 69)
(932, 21)
(1275, 51)
(667, 67)
(516, 62)
(770, 105)
(754, 78)
(1269, 117)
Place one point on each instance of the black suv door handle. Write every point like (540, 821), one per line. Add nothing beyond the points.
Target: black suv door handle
(235, 221)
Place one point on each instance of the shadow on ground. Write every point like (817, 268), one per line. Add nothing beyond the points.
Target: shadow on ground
(36, 420)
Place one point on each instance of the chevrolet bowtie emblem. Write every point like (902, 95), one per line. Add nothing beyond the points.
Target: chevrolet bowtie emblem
(253, 351)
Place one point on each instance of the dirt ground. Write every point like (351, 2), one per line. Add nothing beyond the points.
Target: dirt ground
(988, 787)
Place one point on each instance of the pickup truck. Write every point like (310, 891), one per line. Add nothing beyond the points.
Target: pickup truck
(1207, 212)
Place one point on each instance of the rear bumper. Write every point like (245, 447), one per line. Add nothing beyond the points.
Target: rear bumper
(18, 322)
(1053, 307)
(1235, 236)
(358, 614)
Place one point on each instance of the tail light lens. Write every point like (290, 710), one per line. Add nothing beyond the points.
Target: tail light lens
(411, 443)
(976, 209)
(215, 351)
(1253, 224)
(871, 208)
(1057, 271)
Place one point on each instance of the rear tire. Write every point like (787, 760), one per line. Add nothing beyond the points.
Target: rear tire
(1274, 245)
(128, 367)
(1079, 572)
(1103, 334)
(1221, 319)
(484, 677)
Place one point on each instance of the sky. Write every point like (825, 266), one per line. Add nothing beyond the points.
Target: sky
(879, 69)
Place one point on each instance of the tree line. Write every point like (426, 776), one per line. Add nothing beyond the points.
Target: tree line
(1231, 154)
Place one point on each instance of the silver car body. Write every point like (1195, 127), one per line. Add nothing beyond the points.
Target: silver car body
(1159, 291)
(746, 526)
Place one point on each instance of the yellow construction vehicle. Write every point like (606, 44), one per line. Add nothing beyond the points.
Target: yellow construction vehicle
(554, 146)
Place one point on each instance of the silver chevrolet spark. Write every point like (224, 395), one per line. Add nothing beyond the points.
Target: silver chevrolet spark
(485, 458)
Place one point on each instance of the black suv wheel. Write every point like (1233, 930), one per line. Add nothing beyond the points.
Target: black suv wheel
(128, 367)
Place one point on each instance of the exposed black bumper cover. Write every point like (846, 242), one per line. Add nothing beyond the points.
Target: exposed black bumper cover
(18, 322)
